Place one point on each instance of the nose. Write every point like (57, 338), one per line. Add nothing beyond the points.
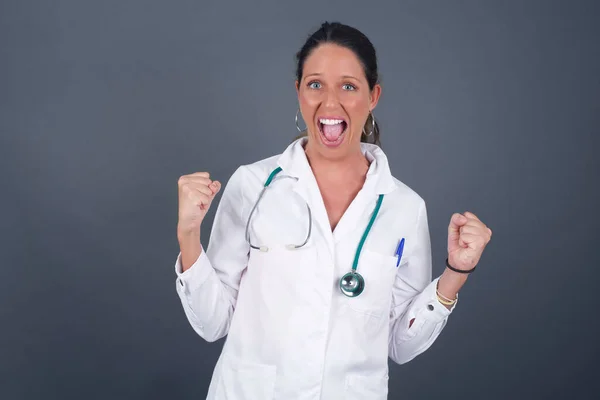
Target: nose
(331, 99)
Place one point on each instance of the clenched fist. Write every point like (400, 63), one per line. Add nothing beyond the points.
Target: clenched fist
(467, 238)
(196, 192)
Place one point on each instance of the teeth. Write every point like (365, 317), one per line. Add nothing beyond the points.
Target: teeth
(330, 121)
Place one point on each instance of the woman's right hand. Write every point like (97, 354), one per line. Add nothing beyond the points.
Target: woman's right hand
(196, 193)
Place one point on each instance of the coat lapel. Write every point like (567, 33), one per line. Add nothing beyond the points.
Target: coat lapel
(379, 180)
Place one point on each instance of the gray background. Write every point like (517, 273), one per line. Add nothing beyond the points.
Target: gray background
(488, 106)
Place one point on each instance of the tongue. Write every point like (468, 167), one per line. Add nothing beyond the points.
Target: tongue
(333, 132)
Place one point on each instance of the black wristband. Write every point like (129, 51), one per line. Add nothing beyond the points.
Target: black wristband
(460, 271)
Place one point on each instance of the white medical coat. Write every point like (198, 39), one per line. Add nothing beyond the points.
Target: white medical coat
(291, 333)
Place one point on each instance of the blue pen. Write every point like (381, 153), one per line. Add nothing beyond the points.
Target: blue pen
(399, 251)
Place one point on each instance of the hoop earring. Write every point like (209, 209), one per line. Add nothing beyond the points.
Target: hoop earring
(297, 127)
(372, 129)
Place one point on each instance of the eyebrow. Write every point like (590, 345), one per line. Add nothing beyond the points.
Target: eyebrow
(344, 76)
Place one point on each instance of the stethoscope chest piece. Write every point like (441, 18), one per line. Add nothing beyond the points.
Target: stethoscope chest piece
(352, 284)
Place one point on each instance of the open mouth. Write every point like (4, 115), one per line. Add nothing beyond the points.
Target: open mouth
(332, 130)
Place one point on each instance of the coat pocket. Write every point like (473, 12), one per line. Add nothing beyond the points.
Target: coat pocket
(242, 380)
(366, 387)
(379, 273)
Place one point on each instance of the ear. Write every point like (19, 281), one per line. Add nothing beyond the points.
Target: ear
(374, 96)
(297, 87)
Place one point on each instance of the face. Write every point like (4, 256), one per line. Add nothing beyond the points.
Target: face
(335, 100)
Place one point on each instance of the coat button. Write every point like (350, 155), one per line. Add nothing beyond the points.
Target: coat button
(430, 307)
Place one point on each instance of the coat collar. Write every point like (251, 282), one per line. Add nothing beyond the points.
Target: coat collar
(379, 179)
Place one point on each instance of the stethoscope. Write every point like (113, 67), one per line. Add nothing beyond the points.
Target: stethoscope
(352, 283)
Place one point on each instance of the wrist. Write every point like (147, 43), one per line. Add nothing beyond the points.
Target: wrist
(186, 233)
(451, 282)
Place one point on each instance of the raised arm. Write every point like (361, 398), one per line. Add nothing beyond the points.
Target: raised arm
(417, 316)
(208, 282)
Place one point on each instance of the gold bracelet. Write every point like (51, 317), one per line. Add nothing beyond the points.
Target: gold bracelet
(444, 302)
(444, 297)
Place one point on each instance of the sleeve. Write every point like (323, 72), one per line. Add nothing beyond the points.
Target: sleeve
(414, 297)
(208, 289)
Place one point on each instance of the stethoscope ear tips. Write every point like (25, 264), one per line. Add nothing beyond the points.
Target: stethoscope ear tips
(352, 284)
(264, 249)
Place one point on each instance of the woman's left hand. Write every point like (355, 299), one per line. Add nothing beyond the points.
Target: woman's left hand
(467, 237)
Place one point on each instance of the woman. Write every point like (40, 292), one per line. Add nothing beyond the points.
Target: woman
(319, 262)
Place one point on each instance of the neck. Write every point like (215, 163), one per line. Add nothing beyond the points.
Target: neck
(350, 167)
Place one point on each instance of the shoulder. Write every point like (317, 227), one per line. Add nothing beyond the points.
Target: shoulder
(249, 178)
(405, 192)
(256, 172)
(405, 200)
(262, 168)
(398, 194)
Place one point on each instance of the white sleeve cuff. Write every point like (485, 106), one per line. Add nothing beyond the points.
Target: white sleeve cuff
(429, 307)
(192, 278)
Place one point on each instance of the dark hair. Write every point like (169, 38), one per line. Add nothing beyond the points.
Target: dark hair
(352, 39)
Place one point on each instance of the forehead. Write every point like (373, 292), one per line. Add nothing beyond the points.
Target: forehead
(332, 60)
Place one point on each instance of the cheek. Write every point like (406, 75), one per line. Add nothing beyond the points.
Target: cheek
(308, 99)
(358, 109)
(307, 110)
(357, 104)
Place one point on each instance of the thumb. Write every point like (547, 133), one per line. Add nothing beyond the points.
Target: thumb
(456, 222)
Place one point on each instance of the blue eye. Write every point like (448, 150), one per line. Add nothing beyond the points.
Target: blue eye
(314, 85)
(348, 86)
